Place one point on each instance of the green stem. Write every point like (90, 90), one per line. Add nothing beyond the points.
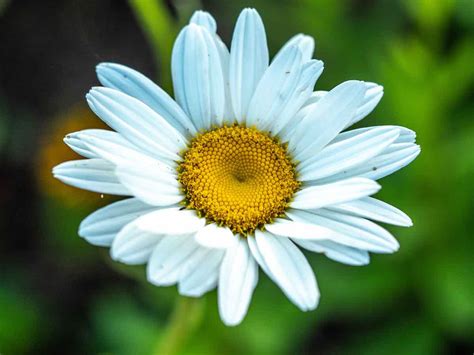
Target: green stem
(160, 31)
(184, 320)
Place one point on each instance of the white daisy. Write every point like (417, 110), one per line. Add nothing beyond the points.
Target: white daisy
(244, 169)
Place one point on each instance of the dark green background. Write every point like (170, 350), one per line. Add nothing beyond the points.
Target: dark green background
(60, 295)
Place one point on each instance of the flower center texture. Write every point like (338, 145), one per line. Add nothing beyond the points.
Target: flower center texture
(237, 177)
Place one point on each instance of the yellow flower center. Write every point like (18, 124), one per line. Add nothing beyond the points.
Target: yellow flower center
(237, 177)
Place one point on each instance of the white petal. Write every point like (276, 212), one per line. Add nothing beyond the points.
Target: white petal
(167, 259)
(101, 227)
(136, 122)
(248, 60)
(200, 273)
(112, 147)
(213, 236)
(95, 175)
(334, 193)
(289, 269)
(237, 280)
(203, 18)
(309, 75)
(348, 230)
(393, 158)
(198, 76)
(171, 221)
(406, 135)
(134, 246)
(135, 84)
(374, 209)
(336, 252)
(303, 42)
(372, 97)
(300, 230)
(79, 146)
(275, 89)
(326, 119)
(343, 155)
(150, 183)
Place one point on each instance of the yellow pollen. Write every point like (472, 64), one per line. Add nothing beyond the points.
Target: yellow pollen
(237, 177)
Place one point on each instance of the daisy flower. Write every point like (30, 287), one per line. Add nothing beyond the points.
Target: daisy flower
(246, 167)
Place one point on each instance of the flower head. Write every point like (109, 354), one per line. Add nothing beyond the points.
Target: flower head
(244, 169)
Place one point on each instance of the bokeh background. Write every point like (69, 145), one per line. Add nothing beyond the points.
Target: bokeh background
(59, 295)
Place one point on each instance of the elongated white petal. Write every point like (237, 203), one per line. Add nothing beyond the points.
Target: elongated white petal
(213, 236)
(134, 246)
(168, 258)
(237, 279)
(310, 72)
(198, 76)
(101, 227)
(336, 251)
(372, 97)
(171, 221)
(406, 135)
(374, 209)
(275, 89)
(205, 19)
(289, 269)
(150, 183)
(334, 193)
(393, 158)
(79, 146)
(200, 273)
(300, 230)
(348, 230)
(258, 256)
(137, 85)
(248, 60)
(95, 175)
(303, 42)
(343, 155)
(112, 147)
(137, 122)
(326, 119)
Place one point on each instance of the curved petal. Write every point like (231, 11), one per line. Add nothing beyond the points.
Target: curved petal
(289, 269)
(334, 193)
(204, 19)
(101, 226)
(137, 85)
(300, 229)
(335, 251)
(303, 42)
(373, 95)
(326, 119)
(346, 154)
(275, 88)
(200, 273)
(348, 230)
(374, 209)
(112, 147)
(248, 60)
(171, 221)
(198, 76)
(168, 257)
(95, 175)
(406, 134)
(134, 246)
(150, 183)
(237, 279)
(393, 158)
(136, 122)
(213, 236)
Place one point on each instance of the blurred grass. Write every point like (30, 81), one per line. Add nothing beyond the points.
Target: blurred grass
(417, 301)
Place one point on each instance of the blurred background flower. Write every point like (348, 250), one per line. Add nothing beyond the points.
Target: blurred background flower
(58, 294)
